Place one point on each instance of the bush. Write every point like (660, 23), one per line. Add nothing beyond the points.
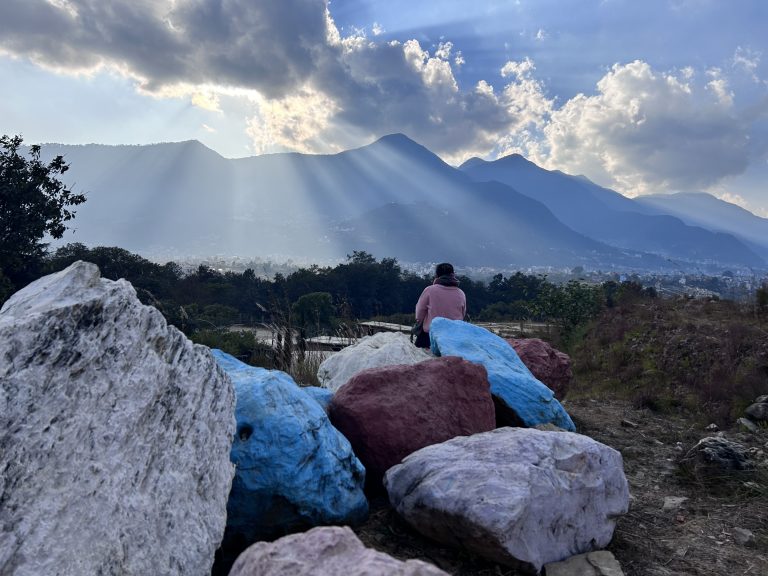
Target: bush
(241, 345)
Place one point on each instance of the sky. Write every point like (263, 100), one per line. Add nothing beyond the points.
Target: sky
(643, 97)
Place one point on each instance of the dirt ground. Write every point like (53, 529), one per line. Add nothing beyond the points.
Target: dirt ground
(697, 538)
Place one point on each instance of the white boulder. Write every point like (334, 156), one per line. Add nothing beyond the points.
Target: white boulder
(517, 496)
(326, 551)
(115, 433)
(382, 349)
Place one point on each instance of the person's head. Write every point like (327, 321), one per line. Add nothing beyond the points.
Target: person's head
(444, 269)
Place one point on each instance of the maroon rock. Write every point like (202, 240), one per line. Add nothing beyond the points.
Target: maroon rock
(387, 413)
(550, 366)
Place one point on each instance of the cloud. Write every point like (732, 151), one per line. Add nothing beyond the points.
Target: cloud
(309, 88)
(748, 61)
(312, 89)
(648, 131)
(267, 46)
(719, 86)
(207, 100)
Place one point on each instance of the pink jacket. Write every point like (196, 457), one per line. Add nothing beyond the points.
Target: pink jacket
(444, 301)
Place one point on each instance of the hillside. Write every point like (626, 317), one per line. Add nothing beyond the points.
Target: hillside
(609, 217)
(701, 209)
(183, 199)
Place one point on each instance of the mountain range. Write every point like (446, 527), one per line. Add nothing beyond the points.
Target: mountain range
(392, 198)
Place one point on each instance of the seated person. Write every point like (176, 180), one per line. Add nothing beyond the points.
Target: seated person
(443, 298)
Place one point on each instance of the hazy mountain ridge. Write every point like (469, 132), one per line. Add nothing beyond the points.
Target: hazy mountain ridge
(707, 211)
(392, 198)
(608, 216)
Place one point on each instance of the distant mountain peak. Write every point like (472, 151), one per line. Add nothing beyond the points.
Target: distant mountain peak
(401, 142)
(515, 158)
(472, 162)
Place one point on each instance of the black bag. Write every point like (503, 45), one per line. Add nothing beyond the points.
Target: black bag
(417, 329)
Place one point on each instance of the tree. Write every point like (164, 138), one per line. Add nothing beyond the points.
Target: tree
(313, 311)
(33, 203)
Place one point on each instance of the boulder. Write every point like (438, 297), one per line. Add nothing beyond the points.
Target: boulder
(745, 424)
(389, 412)
(382, 349)
(115, 433)
(293, 469)
(327, 551)
(322, 396)
(758, 412)
(521, 399)
(550, 366)
(714, 456)
(516, 496)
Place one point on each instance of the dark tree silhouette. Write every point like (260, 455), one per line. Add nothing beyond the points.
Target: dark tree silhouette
(33, 203)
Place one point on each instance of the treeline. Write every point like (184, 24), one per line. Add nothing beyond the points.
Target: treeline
(319, 299)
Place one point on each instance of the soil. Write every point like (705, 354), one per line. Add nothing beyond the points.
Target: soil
(697, 538)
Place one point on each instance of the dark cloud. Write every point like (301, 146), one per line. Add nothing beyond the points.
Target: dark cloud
(267, 45)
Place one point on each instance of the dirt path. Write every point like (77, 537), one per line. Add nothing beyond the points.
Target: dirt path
(698, 537)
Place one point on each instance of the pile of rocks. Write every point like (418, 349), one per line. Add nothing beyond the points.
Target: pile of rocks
(118, 438)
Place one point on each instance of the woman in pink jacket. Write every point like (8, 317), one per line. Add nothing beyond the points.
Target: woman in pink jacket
(443, 298)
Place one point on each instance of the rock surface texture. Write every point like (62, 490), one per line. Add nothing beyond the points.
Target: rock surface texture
(293, 469)
(115, 433)
(516, 496)
(329, 551)
(382, 349)
(520, 398)
(387, 413)
(550, 366)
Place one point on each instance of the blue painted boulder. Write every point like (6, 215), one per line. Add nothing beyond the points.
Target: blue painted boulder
(520, 398)
(294, 470)
(322, 396)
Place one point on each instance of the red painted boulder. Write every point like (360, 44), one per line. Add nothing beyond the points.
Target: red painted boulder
(550, 366)
(387, 413)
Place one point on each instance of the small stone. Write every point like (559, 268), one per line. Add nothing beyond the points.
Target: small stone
(600, 563)
(548, 427)
(747, 425)
(712, 428)
(743, 537)
(629, 424)
(712, 456)
(758, 412)
(673, 502)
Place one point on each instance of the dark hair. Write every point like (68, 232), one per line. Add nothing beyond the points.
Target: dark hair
(443, 269)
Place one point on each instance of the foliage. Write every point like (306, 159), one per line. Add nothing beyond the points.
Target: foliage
(569, 305)
(33, 203)
(761, 299)
(706, 357)
(314, 311)
(241, 345)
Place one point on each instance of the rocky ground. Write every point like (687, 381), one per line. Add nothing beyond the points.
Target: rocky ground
(677, 524)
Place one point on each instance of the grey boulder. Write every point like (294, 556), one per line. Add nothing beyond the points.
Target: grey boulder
(115, 433)
(382, 349)
(521, 497)
(327, 551)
